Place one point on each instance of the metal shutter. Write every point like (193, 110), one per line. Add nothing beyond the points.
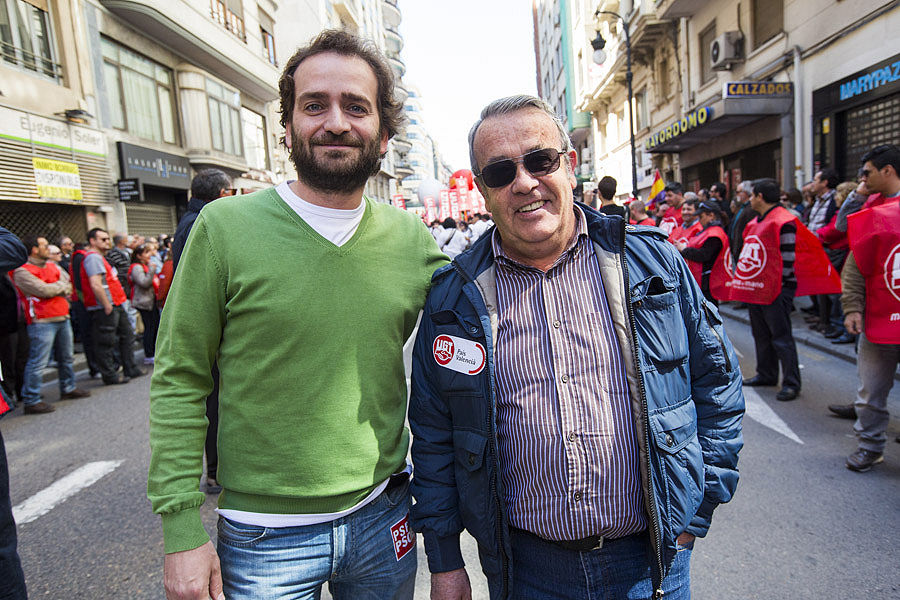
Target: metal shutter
(870, 125)
(150, 219)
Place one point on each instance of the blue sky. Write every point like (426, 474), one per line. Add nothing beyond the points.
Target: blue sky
(461, 55)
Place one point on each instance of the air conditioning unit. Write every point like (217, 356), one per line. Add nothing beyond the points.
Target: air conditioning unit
(726, 50)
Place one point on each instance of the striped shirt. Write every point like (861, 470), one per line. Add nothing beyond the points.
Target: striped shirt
(566, 438)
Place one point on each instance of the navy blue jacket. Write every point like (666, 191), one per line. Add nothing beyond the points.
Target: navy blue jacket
(684, 381)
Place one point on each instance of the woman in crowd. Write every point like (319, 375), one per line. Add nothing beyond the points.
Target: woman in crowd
(142, 274)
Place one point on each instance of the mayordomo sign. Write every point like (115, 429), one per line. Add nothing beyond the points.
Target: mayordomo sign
(693, 119)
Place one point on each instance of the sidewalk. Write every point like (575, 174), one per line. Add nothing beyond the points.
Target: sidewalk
(802, 333)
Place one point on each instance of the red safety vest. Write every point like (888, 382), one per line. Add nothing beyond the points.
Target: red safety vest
(875, 243)
(647, 221)
(680, 234)
(757, 277)
(671, 220)
(112, 282)
(719, 273)
(44, 308)
(146, 270)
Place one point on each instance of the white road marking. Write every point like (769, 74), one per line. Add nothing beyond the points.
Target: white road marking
(60, 491)
(739, 353)
(759, 411)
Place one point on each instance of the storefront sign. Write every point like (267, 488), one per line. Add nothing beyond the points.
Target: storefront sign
(693, 119)
(870, 80)
(41, 131)
(56, 179)
(878, 81)
(153, 167)
(129, 190)
(758, 89)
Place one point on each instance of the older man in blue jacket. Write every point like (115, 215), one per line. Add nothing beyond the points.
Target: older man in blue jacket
(576, 404)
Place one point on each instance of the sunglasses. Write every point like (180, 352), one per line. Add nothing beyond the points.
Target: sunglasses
(537, 162)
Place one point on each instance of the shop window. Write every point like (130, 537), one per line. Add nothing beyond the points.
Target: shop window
(254, 139)
(139, 92)
(26, 37)
(707, 36)
(224, 118)
(266, 27)
(768, 20)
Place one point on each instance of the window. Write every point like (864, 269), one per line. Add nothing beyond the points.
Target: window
(707, 36)
(663, 80)
(139, 92)
(224, 118)
(254, 139)
(266, 27)
(641, 116)
(229, 14)
(768, 20)
(25, 36)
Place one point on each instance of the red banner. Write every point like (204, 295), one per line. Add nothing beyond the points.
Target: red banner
(454, 205)
(399, 201)
(445, 204)
(430, 212)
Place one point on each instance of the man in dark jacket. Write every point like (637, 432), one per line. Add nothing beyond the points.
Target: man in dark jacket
(12, 580)
(207, 185)
(575, 401)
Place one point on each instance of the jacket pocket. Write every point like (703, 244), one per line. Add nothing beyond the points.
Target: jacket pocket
(680, 458)
(473, 484)
(659, 323)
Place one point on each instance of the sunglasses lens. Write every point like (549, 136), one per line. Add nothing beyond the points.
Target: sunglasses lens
(499, 173)
(541, 162)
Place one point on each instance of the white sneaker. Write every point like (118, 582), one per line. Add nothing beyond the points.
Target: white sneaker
(148, 360)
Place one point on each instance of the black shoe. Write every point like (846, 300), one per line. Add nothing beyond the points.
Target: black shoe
(787, 393)
(833, 333)
(845, 338)
(116, 381)
(862, 460)
(812, 309)
(758, 381)
(844, 411)
(135, 373)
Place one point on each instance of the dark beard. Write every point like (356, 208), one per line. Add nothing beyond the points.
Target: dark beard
(341, 178)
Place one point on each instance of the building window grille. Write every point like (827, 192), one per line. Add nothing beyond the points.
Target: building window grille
(266, 27)
(26, 37)
(229, 14)
(139, 92)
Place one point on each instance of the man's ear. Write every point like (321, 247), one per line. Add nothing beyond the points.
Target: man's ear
(287, 136)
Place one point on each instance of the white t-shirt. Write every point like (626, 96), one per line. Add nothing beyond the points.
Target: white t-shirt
(337, 225)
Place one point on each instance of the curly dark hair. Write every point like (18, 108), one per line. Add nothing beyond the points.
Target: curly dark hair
(390, 109)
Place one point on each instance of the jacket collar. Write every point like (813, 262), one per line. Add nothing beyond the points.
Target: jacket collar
(195, 204)
(604, 230)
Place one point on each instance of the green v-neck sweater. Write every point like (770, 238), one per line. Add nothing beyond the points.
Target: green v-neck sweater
(308, 337)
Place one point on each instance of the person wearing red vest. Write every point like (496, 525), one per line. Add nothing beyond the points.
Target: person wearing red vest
(690, 224)
(43, 287)
(706, 250)
(767, 261)
(104, 299)
(639, 214)
(871, 303)
(672, 217)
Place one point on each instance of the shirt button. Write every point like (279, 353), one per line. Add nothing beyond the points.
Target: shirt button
(571, 436)
(564, 378)
(576, 496)
(556, 324)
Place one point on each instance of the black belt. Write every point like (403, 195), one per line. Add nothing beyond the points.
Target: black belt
(593, 542)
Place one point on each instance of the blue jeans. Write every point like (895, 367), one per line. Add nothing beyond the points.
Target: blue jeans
(355, 555)
(620, 570)
(44, 338)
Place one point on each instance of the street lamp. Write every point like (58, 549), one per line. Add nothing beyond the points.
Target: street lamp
(598, 43)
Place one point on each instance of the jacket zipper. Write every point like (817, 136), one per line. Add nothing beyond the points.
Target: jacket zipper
(504, 561)
(719, 338)
(654, 515)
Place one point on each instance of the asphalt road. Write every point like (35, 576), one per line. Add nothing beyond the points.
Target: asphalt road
(801, 526)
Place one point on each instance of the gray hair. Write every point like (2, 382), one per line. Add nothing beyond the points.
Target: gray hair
(691, 196)
(746, 186)
(511, 104)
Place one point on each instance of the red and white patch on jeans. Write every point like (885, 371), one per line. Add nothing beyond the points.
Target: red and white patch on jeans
(403, 537)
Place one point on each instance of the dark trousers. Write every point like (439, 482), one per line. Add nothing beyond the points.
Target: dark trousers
(81, 324)
(212, 430)
(13, 357)
(150, 319)
(111, 332)
(12, 580)
(771, 327)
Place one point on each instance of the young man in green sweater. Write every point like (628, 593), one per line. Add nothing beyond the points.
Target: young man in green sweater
(305, 294)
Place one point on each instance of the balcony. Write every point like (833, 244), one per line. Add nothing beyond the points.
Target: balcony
(393, 40)
(190, 31)
(675, 9)
(398, 66)
(391, 14)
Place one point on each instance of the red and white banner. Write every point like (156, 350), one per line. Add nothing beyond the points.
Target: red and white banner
(445, 204)
(399, 201)
(454, 205)
(430, 209)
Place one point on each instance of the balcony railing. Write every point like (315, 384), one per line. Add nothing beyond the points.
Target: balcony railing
(30, 61)
(227, 19)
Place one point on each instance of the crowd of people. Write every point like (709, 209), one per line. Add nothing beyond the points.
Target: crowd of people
(99, 293)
